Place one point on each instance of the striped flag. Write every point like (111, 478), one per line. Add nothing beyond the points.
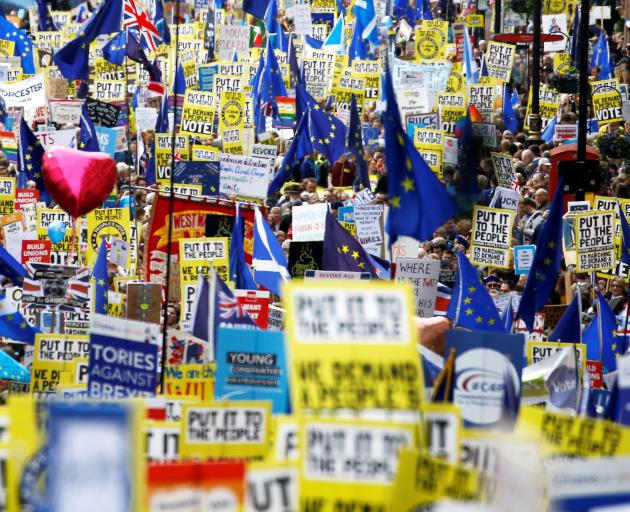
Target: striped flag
(442, 300)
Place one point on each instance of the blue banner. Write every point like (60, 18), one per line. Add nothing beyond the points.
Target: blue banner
(251, 365)
(205, 174)
(121, 368)
(106, 139)
(487, 383)
(206, 77)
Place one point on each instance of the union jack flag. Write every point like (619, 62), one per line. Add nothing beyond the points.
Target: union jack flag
(442, 300)
(136, 17)
(230, 307)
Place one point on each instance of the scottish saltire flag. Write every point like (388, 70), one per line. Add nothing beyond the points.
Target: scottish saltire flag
(418, 201)
(569, 327)
(542, 275)
(269, 261)
(471, 70)
(72, 59)
(365, 17)
(101, 280)
(343, 252)
(88, 140)
(549, 131)
(335, 42)
(239, 272)
(471, 306)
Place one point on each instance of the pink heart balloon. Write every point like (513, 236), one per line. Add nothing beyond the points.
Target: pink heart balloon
(78, 181)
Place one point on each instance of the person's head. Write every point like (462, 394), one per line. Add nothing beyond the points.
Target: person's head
(529, 205)
(4, 170)
(540, 196)
(492, 282)
(439, 246)
(527, 157)
(617, 287)
(326, 196)
(538, 180)
(311, 186)
(544, 165)
(281, 236)
(274, 215)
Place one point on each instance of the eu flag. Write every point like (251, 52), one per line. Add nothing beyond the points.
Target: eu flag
(30, 154)
(575, 37)
(600, 336)
(543, 272)
(13, 325)
(468, 155)
(569, 327)
(256, 7)
(419, 203)
(23, 44)
(268, 86)
(471, 306)
(298, 148)
(101, 281)
(355, 144)
(115, 50)
(625, 236)
(509, 118)
(89, 140)
(342, 252)
(44, 20)
(72, 59)
(11, 268)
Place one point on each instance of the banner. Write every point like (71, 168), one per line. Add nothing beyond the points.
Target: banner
(482, 97)
(503, 169)
(595, 240)
(491, 237)
(109, 223)
(499, 60)
(29, 94)
(607, 101)
(308, 222)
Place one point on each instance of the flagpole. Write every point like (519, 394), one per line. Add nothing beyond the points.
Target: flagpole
(171, 204)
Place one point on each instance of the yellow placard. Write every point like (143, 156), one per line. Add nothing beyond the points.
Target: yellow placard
(352, 346)
(198, 113)
(607, 101)
(539, 350)
(164, 155)
(423, 479)
(109, 223)
(109, 90)
(202, 153)
(595, 240)
(583, 437)
(349, 465)
(190, 381)
(474, 20)
(7, 196)
(225, 429)
(196, 257)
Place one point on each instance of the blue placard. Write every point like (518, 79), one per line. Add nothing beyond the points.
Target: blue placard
(121, 368)
(206, 77)
(488, 367)
(523, 258)
(345, 214)
(370, 137)
(106, 139)
(251, 365)
(205, 174)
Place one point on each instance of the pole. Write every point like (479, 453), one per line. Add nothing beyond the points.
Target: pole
(535, 122)
(497, 16)
(171, 204)
(583, 84)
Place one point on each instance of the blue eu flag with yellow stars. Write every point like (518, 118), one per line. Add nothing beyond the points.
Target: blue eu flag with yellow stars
(268, 84)
(30, 153)
(625, 236)
(72, 59)
(89, 140)
(355, 144)
(101, 281)
(600, 337)
(419, 203)
(542, 274)
(342, 252)
(471, 306)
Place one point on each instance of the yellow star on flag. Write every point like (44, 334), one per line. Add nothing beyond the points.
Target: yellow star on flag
(407, 184)
(345, 249)
(395, 202)
(355, 255)
(467, 300)
(469, 311)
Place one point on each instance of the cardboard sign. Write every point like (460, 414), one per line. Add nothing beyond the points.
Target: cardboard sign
(272, 487)
(328, 322)
(482, 97)
(252, 365)
(121, 368)
(492, 236)
(244, 175)
(196, 257)
(65, 112)
(443, 425)
(256, 304)
(107, 223)
(225, 429)
(35, 251)
(595, 240)
(198, 113)
(335, 455)
(539, 350)
(607, 101)
(523, 258)
(503, 169)
(309, 222)
(233, 38)
(500, 59)
(368, 220)
(101, 113)
(25, 196)
(423, 276)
